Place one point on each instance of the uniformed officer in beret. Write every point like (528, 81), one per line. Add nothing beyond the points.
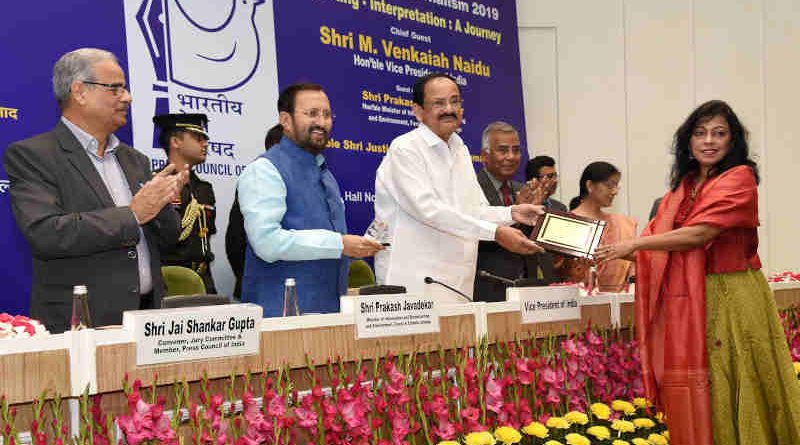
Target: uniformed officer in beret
(185, 139)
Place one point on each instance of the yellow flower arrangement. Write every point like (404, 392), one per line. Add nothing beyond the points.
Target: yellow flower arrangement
(577, 417)
(600, 432)
(643, 422)
(620, 442)
(641, 402)
(660, 417)
(507, 435)
(623, 426)
(480, 438)
(665, 433)
(639, 441)
(623, 406)
(558, 422)
(577, 439)
(536, 429)
(657, 439)
(600, 410)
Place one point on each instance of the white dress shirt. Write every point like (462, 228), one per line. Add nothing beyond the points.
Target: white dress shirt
(428, 195)
(114, 179)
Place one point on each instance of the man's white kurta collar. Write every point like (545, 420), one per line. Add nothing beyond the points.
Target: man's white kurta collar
(433, 140)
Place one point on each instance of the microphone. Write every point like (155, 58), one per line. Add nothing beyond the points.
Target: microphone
(485, 274)
(429, 280)
(528, 282)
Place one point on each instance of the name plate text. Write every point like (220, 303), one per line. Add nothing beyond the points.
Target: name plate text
(196, 333)
(555, 303)
(391, 315)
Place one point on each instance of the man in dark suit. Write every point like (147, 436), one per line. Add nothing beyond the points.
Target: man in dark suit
(87, 204)
(501, 155)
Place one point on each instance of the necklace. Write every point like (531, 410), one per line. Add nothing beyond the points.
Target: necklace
(695, 187)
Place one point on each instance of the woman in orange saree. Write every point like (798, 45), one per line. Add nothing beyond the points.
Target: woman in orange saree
(599, 186)
(712, 348)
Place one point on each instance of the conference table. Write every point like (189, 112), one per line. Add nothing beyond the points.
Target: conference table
(100, 359)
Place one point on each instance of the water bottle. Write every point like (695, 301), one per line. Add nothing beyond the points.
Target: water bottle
(591, 285)
(81, 319)
(290, 298)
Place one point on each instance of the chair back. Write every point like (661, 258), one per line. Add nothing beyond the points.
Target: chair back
(194, 300)
(182, 281)
(360, 274)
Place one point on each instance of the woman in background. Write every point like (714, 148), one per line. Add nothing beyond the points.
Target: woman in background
(599, 186)
(713, 351)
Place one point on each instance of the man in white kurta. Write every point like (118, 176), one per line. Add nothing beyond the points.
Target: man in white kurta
(427, 194)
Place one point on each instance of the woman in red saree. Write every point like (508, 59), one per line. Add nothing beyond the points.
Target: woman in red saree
(713, 351)
(599, 185)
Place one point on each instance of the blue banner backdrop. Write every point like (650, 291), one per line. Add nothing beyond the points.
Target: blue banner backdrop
(366, 54)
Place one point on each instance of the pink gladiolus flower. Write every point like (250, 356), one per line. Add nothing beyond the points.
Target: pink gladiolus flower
(593, 338)
(353, 413)
(258, 428)
(472, 395)
(400, 427)
(453, 393)
(439, 406)
(524, 375)
(470, 373)
(146, 422)
(573, 347)
(444, 430)
(553, 396)
(525, 414)
(276, 407)
(380, 404)
(470, 414)
(494, 395)
(306, 418)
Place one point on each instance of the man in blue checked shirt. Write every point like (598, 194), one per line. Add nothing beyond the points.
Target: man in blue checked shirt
(294, 213)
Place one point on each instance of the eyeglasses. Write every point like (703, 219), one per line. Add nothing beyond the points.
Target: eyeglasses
(115, 88)
(441, 104)
(315, 113)
(611, 185)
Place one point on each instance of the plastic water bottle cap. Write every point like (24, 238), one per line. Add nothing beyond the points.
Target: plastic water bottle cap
(79, 289)
(289, 282)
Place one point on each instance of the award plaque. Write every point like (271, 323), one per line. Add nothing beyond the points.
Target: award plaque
(568, 234)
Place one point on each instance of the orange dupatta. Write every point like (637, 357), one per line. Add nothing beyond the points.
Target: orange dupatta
(671, 303)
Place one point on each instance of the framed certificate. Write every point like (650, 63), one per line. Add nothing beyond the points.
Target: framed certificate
(568, 234)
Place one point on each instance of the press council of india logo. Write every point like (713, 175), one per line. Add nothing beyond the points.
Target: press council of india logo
(199, 51)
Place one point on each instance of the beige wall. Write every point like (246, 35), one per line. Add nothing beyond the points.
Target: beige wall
(612, 79)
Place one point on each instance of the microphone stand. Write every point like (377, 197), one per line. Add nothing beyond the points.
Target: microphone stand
(491, 276)
(429, 280)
